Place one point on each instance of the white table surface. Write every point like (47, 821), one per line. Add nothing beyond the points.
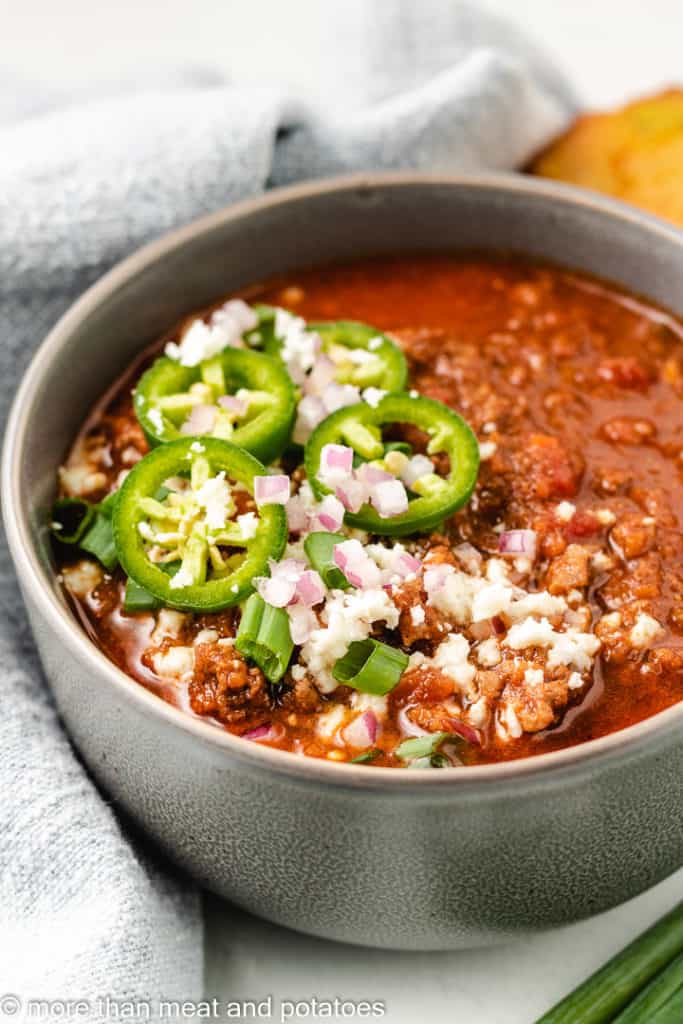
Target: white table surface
(613, 49)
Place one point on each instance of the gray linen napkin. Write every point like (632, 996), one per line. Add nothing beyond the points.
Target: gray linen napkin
(84, 180)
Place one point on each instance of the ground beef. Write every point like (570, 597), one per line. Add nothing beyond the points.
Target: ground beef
(302, 697)
(225, 686)
(569, 571)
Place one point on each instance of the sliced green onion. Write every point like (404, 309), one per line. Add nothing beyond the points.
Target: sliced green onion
(368, 755)
(422, 746)
(612, 988)
(670, 1013)
(433, 761)
(71, 517)
(264, 637)
(656, 998)
(137, 599)
(371, 667)
(319, 548)
(98, 539)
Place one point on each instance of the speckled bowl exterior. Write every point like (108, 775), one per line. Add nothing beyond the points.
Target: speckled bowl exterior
(366, 855)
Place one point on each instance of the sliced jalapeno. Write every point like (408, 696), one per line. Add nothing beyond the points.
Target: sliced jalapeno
(194, 523)
(362, 355)
(432, 497)
(239, 396)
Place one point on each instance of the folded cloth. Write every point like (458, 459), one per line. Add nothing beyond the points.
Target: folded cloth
(84, 180)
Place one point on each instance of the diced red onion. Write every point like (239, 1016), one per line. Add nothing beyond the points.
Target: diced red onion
(234, 404)
(468, 733)
(405, 564)
(269, 732)
(352, 493)
(310, 413)
(417, 466)
(200, 420)
(518, 542)
(278, 591)
(389, 498)
(259, 733)
(330, 513)
(297, 514)
(338, 396)
(468, 556)
(271, 490)
(336, 463)
(435, 576)
(288, 568)
(235, 311)
(322, 374)
(310, 589)
(362, 731)
(371, 475)
(357, 566)
(302, 622)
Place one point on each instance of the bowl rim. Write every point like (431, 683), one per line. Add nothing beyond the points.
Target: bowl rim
(633, 739)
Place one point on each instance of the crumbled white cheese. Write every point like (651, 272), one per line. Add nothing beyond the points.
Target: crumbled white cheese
(605, 517)
(183, 578)
(347, 616)
(330, 721)
(576, 650)
(174, 662)
(417, 615)
(507, 723)
(452, 658)
(215, 498)
(488, 653)
(575, 681)
(478, 713)
(530, 633)
(645, 630)
(492, 599)
(565, 511)
(82, 479)
(169, 624)
(202, 341)
(206, 636)
(370, 702)
(375, 343)
(454, 595)
(416, 660)
(497, 570)
(299, 345)
(248, 524)
(487, 449)
(373, 396)
(538, 603)
(533, 676)
(601, 561)
(82, 578)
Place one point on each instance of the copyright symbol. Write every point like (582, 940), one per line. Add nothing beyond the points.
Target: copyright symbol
(9, 1005)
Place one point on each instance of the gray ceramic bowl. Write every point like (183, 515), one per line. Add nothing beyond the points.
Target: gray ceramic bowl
(367, 855)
